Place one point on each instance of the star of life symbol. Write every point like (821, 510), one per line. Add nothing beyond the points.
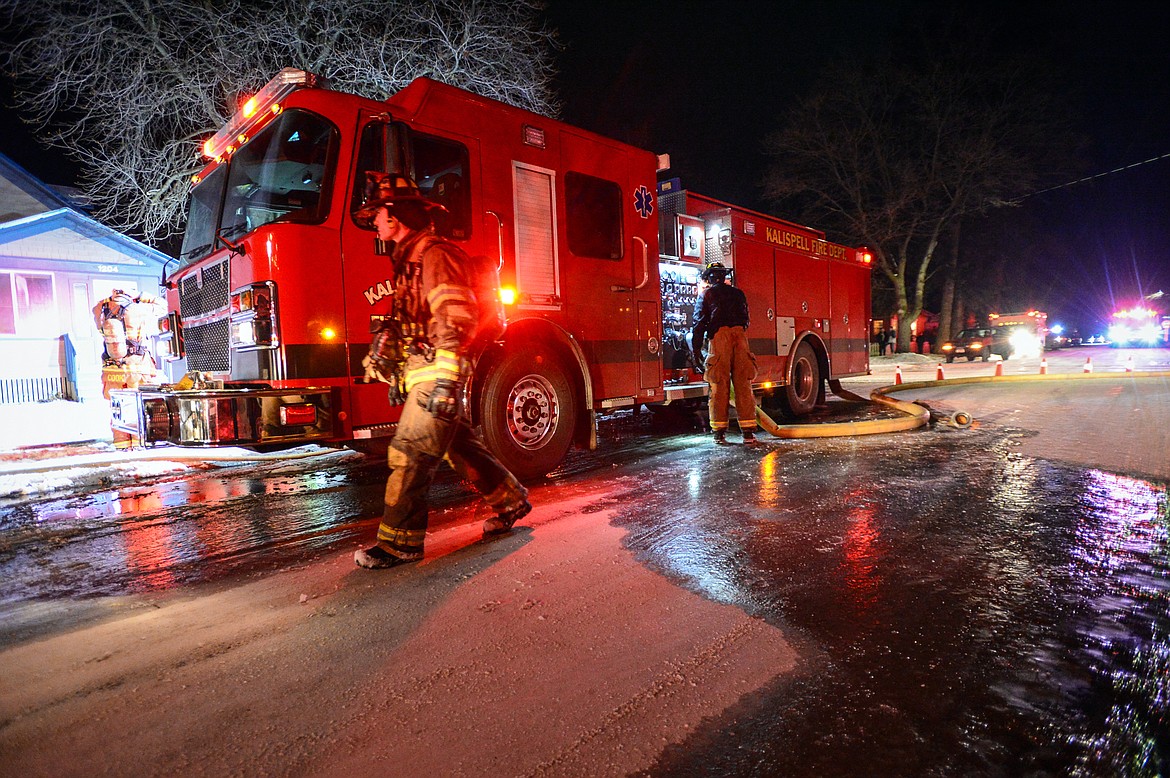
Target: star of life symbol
(643, 201)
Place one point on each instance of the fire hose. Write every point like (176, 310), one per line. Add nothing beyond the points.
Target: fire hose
(915, 415)
(918, 413)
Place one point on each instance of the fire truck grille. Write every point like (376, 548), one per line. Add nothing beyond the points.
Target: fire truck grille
(207, 347)
(200, 295)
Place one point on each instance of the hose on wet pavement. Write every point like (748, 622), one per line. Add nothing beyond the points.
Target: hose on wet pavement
(915, 416)
(918, 414)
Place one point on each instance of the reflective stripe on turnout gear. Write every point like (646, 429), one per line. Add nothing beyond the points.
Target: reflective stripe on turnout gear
(446, 293)
(446, 365)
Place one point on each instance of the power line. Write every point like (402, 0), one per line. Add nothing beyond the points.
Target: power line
(1098, 175)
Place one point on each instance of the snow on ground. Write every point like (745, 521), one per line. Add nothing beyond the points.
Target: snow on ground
(65, 446)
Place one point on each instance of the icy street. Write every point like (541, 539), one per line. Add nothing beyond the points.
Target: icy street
(944, 601)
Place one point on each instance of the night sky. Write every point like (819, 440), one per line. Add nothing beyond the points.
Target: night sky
(706, 81)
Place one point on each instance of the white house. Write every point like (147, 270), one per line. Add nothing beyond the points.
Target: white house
(56, 264)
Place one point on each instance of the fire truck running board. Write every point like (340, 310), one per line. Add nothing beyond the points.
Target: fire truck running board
(685, 392)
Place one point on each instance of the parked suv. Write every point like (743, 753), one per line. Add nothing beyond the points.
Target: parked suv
(973, 344)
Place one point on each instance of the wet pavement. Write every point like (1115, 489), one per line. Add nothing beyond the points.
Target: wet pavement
(965, 602)
(1006, 616)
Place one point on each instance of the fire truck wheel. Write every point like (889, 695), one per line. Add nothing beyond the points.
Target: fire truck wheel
(528, 412)
(800, 395)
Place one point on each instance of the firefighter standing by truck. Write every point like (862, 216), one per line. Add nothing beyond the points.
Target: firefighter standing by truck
(721, 315)
(127, 324)
(422, 351)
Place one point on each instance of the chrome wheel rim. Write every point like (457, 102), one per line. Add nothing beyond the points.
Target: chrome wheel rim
(532, 411)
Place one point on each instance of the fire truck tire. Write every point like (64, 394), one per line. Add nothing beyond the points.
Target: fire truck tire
(800, 395)
(528, 412)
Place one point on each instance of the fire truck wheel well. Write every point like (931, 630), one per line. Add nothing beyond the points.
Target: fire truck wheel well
(776, 400)
(822, 353)
(524, 334)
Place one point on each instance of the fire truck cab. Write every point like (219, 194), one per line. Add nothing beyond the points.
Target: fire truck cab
(271, 302)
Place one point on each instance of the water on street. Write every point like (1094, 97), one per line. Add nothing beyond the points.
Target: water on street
(961, 604)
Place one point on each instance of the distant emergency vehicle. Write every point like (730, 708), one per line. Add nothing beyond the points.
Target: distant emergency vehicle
(1140, 325)
(271, 300)
(1023, 332)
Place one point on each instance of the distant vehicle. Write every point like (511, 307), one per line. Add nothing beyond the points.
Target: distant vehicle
(1137, 327)
(1074, 338)
(1055, 338)
(974, 343)
(1025, 333)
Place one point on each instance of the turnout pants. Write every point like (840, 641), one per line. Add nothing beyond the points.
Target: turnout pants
(420, 443)
(730, 363)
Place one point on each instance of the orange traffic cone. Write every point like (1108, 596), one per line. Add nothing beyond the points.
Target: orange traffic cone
(1043, 366)
(897, 374)
(940, 376)
(999, 369)
(1129, 364)
(1088, 364)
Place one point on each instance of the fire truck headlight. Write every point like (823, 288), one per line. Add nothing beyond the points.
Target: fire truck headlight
(244, 333)
(1025, 343)
(253, 316)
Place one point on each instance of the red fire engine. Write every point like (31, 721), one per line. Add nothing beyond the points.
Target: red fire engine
(272, 297)
(1022, 333)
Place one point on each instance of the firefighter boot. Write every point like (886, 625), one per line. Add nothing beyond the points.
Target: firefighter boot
(721, 437)
(378, 558)
(501, 523)
(749, 438)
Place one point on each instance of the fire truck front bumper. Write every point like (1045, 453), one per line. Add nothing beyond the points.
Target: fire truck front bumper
(225, 417)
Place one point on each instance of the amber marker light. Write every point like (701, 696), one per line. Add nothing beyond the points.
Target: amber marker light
(328, 333)
(507, 295)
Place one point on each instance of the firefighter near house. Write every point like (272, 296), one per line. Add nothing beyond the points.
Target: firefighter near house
(279, 284)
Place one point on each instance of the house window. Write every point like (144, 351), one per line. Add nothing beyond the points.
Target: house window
(26, 305)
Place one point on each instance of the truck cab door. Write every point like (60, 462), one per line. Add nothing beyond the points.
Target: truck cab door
(609, 272)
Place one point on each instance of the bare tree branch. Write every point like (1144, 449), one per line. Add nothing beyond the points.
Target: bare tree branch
(893, 156)
(130, 88)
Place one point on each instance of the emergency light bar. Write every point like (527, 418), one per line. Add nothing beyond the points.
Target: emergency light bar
(257, 110)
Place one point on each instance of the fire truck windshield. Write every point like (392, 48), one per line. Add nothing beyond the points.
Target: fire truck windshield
(278, 175)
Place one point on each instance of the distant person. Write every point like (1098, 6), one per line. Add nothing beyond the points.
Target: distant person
(721, 316)
(127, 324)
(890, 342)
(425, 359)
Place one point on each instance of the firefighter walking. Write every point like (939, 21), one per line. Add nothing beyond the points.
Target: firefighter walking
(721, 316)
(423, 354)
